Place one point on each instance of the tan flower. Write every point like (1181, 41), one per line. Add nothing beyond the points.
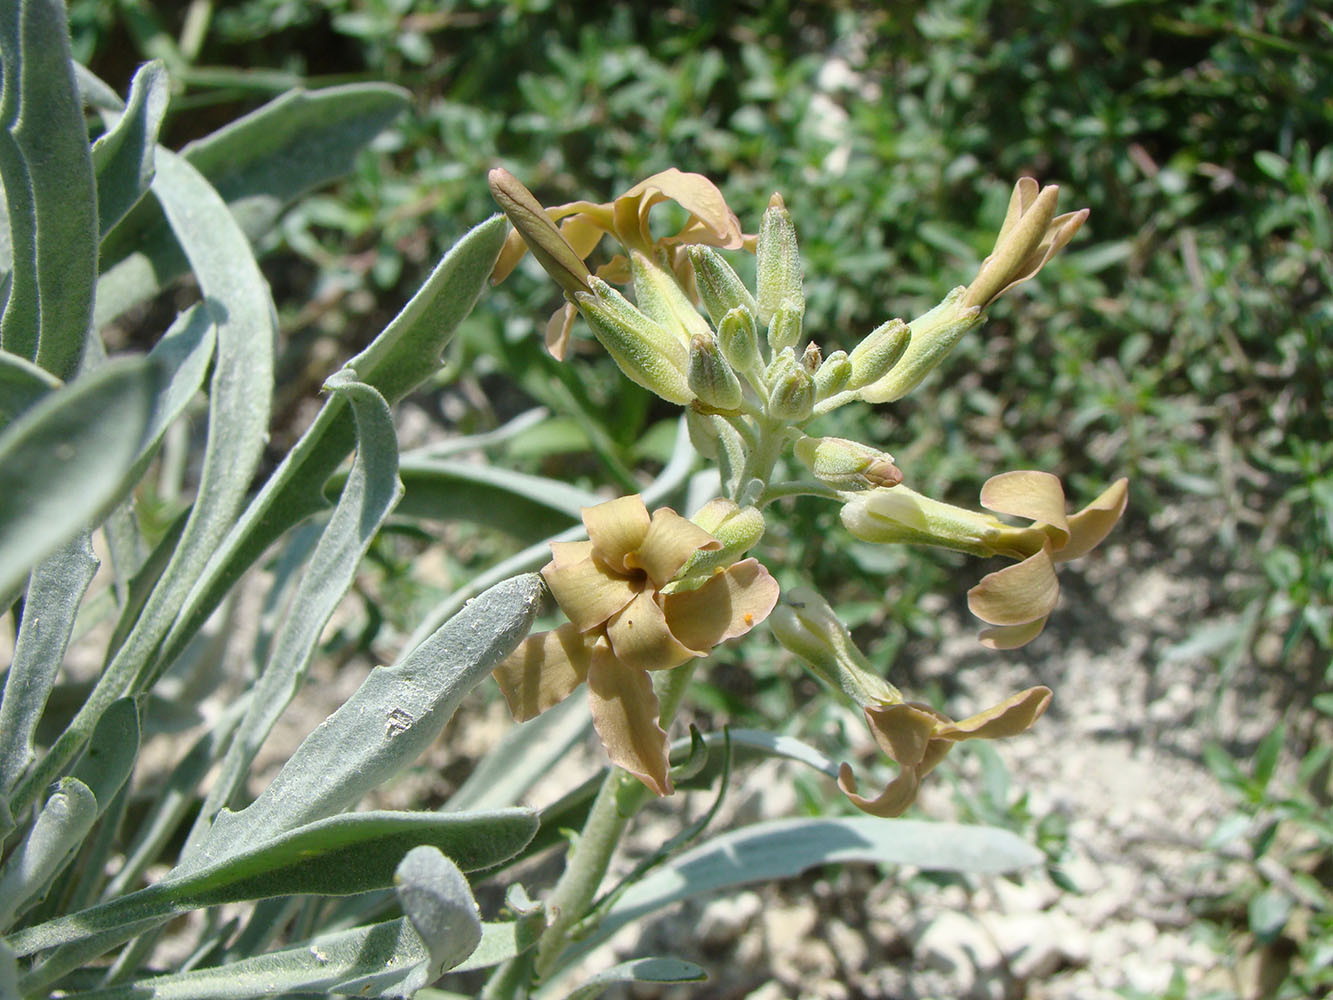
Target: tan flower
(917, 738)
(621, 625)
(583, 224)
(1030, 235)
(1017, 599)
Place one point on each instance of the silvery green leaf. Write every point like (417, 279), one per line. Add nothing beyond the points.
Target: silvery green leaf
(55, 589)
(386, 725)
(65, 460)
(259, 164)
(123, 157)
(399, 359)
(106, 765)
(641, 970)
(49, 190)
(369, 494)
(339, 856)
(9, 972)
(59, 828)
(237, 300)
(784, 848)
(22, 383)
(437, 899)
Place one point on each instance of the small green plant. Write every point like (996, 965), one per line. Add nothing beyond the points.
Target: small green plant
(100, 856)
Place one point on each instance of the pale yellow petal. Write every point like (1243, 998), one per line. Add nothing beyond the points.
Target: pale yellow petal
(1017, 594)
(510, 254)
(625, 715)
(558, 328)
(1037, 496)
(1011, 636)
(669, 543)
(893, 801)
(903, 731)
(587, 591)
(543, 671)
(617, 528)
(1010, 717)
(728, 605)
(1094, 522)
(697, 195)
(641, 639)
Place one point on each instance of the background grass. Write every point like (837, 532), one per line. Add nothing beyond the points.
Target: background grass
(1185, 340)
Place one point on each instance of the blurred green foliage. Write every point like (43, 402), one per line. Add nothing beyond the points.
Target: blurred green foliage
(1185, 340)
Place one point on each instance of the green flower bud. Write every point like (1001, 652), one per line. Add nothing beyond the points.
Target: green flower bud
(805, 624)
(784, 326)
(720, 287)
(738, 336)
(645, 351)
(902, 516)
(739, 529)
(933, 337)
(710, 377)
(777, 261)
(542, 236)
(847, 465)
(878, 352)
(662, 300)
(833, 375)
(792, 396)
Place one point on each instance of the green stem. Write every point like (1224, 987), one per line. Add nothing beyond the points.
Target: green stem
(590, 855)
(796, 488)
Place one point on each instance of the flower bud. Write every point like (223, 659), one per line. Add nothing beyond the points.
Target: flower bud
(833, 375)
(792, 396)
(784, 326)
(901, 515)
(720, 287)
(933, 336)
(777, 262)
(738, 337)
(710, 377)
(739, 529)
(812, 357)
(805, 624)
(646, 352)
(878, 352)
(542, 236)
(661, 299)
(847, 465)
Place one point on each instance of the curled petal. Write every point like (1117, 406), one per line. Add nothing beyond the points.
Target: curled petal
(642, 640)
(728, 605)
(668, 545)
(1017, 594)
(1010, 717)
(617, 528)
(903, 731)
(586, 589)
(625, 715)
(697, 195)
(893, 801)
(1037, 496)
(1094, 522)
(558, 328)
(1011, 636)
(543, 671)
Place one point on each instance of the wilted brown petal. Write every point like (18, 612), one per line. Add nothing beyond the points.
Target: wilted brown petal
(543, 671)
(668, 545)
(1010, 717)
(1017, 594)
(642, 640)
(728, 605)
(1037, 496)
(586, 589)
(1094, 522)
(625, 715)
(893, 801)
(903, 731)
(1011, 636)
(617, 528)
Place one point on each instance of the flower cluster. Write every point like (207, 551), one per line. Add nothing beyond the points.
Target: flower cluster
(649, 593)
